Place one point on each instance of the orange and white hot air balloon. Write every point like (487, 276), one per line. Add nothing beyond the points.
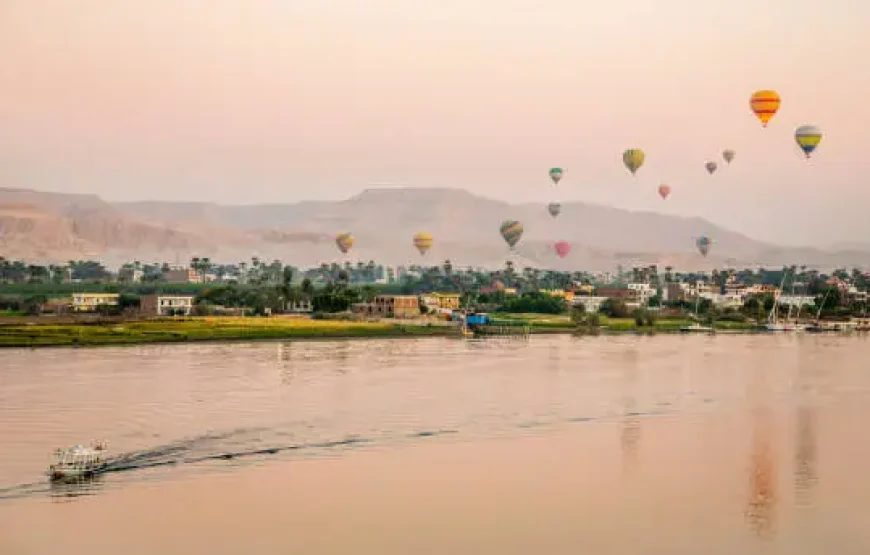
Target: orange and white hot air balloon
(664, 190)
(764, 103)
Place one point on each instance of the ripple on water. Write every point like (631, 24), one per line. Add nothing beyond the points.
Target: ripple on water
(167, 407)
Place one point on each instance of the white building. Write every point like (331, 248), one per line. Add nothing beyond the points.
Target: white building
(700, 288)
(160, 304)
(643, 292)
(728, 300)
(300, 306)
(589, 304)
(797, 300)
(90, 302)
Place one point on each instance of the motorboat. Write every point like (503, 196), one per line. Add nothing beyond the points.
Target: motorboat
(78, 461)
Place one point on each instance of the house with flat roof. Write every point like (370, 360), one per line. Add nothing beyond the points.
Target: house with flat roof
(91, 302)
(163, 304)
(390, 306)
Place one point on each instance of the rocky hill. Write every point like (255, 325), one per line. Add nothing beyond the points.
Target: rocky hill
(54, 227)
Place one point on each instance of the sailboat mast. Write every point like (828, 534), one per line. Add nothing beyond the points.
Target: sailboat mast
(790, 305)
(772, 317)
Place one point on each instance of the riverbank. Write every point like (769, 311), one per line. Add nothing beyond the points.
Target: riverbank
(557, 323)
(171, 330)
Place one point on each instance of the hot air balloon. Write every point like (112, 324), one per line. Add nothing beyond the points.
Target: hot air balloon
(664, 191)
(554, 208)
(808, 138)
(711, 167)
(633, 159)
(728, 155)
(562, 248)
(556, 174)
(344, 241)
(703, 244)
(423, 242)
(764, 104)
(511, 231)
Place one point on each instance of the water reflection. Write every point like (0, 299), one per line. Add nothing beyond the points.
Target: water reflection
(805, 477)
(341, 355)
(555, 357)
(630, 429)
(763, 495)
(805, 454)
(284, 361)
(67, 490)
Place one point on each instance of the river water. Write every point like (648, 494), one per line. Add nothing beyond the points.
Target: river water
(557, 444)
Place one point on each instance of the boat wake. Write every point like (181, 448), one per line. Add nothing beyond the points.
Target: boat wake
(249, 444)
(185, 452)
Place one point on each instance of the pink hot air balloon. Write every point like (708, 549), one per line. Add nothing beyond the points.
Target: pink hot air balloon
(664, 191)
(562, 249)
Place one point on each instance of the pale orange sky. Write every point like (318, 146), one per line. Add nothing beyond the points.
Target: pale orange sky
(278, 101)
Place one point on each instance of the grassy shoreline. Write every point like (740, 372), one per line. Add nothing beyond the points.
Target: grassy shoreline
(200, 329)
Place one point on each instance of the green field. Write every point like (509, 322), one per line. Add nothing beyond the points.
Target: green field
(37, 333)
(202, 329)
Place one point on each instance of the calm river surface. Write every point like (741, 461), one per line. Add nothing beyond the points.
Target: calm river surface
(616, 444)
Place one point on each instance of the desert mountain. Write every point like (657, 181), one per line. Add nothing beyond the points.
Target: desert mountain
(49, 226)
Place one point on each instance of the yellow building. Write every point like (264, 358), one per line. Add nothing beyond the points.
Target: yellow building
(90, 302)
(448, 301)
(585, 289)
(390, 306)
(567, 295)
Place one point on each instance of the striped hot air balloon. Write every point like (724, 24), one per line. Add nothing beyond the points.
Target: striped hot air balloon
(511, 231)
(764, 104)
(633, 159)
(344, 241)
(808, 138)
(423, 242)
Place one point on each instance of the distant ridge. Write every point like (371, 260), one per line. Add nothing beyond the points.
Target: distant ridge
(45, 227)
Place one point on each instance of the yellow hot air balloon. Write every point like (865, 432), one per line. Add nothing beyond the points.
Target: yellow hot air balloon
(808, 138)
(344, 241)
(423, 242)
(764, 104)
(633, 159)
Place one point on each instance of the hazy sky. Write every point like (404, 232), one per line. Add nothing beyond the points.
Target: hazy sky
(247, 101)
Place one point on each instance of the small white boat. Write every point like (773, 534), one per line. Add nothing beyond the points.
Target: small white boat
(696, 328)
(78, 461)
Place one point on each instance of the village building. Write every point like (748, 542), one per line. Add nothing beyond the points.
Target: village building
(91, 302)
(161, 304)
(389, 306)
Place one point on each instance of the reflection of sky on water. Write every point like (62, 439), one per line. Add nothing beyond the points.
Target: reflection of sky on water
(630, 427)
(805, 474)
(763, 472)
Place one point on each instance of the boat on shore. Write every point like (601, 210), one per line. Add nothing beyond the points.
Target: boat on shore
(696, 328)
(77, 462)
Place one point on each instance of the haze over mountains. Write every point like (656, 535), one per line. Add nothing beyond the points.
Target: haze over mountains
(52, 227)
